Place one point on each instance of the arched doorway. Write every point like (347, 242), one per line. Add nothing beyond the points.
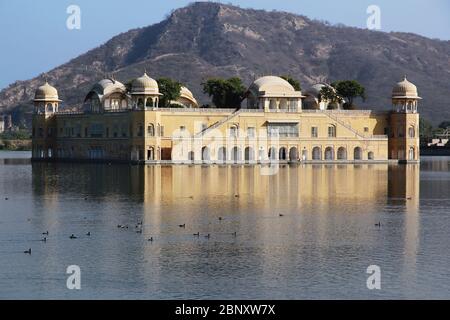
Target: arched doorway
(370, 155)
(342, 153)
(205, 154)
(249, 154)
(236, 154)
(357, 153)
(329, 153)
(273, 153)
(316, 153)
(282, 153)
(293, 154)
(222, 154)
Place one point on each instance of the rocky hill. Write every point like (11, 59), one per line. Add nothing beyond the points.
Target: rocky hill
(208, 39)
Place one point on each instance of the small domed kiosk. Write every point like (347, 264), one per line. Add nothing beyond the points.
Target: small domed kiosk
(272, 93)
(106, 95)
(46, 100)
(405, 97)
(145, 92)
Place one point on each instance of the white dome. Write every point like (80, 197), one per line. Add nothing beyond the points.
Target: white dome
(405, 89)
(144, 85)
(187, 94)
(106, 86)
(271, 85)
(46, 92)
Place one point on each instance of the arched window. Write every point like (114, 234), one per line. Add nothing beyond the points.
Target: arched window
(411, 153)
(151, 130)
(357, 153)
(234, 132)
(191, 156)
(411, 132)
(370, 155)
(149, 103)
(331, 131)
(151, 154)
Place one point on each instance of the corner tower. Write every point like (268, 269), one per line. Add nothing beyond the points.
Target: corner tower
(404, 123)
(46, 104)
(46, 101)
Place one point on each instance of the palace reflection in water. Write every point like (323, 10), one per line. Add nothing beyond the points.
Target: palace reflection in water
(329, 212)
(320, 247)
(293, 185)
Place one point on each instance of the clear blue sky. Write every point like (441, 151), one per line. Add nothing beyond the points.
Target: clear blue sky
(34, 37)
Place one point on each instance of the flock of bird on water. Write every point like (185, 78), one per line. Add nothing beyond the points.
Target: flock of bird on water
(139, 226)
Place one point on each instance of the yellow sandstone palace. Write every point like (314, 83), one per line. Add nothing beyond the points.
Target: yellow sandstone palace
(276, 124)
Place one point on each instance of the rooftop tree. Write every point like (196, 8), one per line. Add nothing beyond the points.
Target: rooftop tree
(350, 89)
(170, 90)
(294, 82)
(225, 93)
(328, 93)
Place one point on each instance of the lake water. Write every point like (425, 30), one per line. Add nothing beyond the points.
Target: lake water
(320, 247)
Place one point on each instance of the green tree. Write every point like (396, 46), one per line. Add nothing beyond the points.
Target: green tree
(225, 93)
(294, 82)
(329, 94)
(170, 90)
(350, 89)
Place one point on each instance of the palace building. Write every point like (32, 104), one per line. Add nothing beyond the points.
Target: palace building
(276, 123)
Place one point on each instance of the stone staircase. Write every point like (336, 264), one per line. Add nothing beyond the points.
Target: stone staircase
(342, 123)
(218, 124)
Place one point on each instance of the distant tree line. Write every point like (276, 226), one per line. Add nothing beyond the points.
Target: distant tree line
(21, 134)
(427, 131)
